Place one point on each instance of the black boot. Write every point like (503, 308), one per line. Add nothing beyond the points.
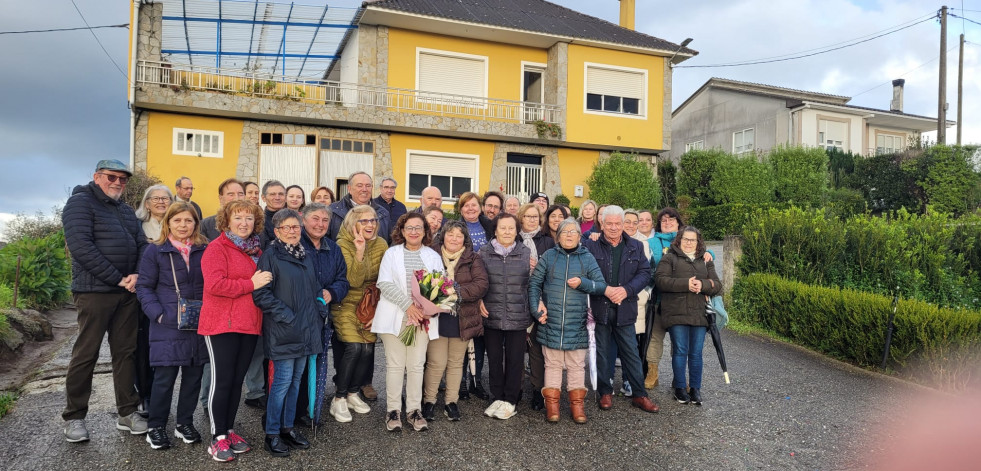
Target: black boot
(294, 439)
(276, 447)
(478, 390)
(464, 391)
(537, 401)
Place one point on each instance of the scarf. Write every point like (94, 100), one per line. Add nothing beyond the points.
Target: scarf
(183, 247)
(500, 249)
(529, 240)
(450, 260)
(296, 250)
(249, 246)
(691, 255)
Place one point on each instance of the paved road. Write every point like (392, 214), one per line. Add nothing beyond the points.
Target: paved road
(785, 409)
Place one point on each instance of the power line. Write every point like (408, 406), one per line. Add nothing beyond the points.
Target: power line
(100, 42)
(965, 19)
(801, 56)
(124, 25)
(907, 72)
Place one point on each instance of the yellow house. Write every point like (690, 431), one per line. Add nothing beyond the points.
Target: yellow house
(518, 96)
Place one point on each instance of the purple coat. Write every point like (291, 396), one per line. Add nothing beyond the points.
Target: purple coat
(155, 290)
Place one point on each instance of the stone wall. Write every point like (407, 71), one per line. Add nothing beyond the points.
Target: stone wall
(140, 133)
(151, 28)
(556, 73)
(550, 166)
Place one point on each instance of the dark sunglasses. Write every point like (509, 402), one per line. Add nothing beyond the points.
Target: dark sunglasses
(113, 178)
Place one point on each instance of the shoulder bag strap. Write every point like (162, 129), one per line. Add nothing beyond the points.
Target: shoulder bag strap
(174, 273)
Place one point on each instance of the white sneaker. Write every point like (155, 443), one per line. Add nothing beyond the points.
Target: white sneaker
(492, 409)
(506, 411)
(354, 402)
(338, 409)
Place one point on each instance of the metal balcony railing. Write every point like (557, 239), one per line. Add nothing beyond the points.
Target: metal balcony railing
(238, 82)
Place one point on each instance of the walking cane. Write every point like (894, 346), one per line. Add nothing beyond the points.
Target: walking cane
(890, 327)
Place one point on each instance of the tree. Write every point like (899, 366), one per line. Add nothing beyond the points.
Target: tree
(137, 185)
(667, 177)
(625, 182)
(697, 168)
(946, 178)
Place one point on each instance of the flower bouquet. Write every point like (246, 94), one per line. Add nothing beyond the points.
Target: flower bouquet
(434, 292)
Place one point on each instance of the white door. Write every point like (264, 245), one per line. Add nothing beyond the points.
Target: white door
(291, 165)
(336, 166)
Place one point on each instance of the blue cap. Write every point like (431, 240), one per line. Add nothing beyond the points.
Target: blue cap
(110, 164)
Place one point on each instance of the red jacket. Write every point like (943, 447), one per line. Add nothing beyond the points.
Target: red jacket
(227, 303)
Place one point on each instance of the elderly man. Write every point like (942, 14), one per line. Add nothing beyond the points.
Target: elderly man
(627, 272)
(386, 199)
(228, 191)
(493, 204)
(184, 191)
(358, 192)
(274, 195)
(105, 240)
(430, 196)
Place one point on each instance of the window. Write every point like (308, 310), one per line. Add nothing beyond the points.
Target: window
(452, 73)
(198, 143)
(348, 145)
(743, 141)
(888, 143)
(697, 145)
(832, 134)
(524, 175)
(612, 89)
(287, 139)
(453, 174)
(532, 90)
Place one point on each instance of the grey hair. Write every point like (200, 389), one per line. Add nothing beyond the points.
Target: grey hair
(388, 179)
(611, 210)
(453, 224)
(311, 207)
(350, 178)
(631, 211)
(142, 213)
(180, 180)
(509, 198)
(271, 183)
(566, 222)
(284, 214)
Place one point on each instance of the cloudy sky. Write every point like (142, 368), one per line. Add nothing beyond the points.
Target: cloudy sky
(63, 102)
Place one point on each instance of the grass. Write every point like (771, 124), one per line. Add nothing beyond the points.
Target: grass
(7, 400)
(745, 328)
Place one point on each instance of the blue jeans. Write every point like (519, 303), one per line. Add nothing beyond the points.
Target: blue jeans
(625, 338)
(686, 349)
(281, 405)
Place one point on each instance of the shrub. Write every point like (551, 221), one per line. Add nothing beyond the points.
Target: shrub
(946, 177)
(7, 400)
(697, 168)
(138, 183)
(561, 199)
(721, 220)
(841, 168)
(845, 202)
(885, 184)
(37, 226)
(667, 177)
(932, 344)
(7, 297)
(741, 180)
(45, 275)
(625, 182)
(800, 174)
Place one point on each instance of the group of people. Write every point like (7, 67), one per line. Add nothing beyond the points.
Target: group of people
(280, 288)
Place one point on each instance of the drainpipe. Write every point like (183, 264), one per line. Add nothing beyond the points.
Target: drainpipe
(134, 32)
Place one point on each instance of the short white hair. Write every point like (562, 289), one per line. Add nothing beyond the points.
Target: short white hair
(611, 210)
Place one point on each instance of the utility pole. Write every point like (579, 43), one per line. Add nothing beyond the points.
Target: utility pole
(942, 100)
(960, 91)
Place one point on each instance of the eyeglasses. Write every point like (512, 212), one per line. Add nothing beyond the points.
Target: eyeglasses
(569, 232)
(294, 228)
(365, 222)
(667, 219)
(492, 206)
(531, 216)
(160, 199)
(112, 178)
(410, 229)
(689, 240)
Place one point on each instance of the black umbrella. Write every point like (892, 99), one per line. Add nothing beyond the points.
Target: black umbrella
(713, 330)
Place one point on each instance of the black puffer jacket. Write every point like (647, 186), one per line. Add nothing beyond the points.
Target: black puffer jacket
(679, 306)
(105, 240)
(507, 293)
(292, 317)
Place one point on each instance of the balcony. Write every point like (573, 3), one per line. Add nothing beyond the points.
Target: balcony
(331, 95)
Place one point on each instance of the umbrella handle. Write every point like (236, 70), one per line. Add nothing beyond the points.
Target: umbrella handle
(726, 375)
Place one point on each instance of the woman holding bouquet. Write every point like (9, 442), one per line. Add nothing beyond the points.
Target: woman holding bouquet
(354, 350)
(397, 312)
(505, 308)
(446, 353)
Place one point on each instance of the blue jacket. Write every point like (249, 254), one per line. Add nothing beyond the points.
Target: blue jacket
(395, 209)
(292, 317)
(634, 274)
(155, 290)
(330, 268)
(105, 240)
(565, 325)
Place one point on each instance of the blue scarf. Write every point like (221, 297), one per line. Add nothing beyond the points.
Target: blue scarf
(659, 242)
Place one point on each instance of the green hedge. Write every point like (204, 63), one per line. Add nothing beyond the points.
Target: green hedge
(933, 344)
(45, 274)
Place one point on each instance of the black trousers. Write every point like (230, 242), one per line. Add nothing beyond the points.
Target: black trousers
(144, 372)
(163, 393)
(355, 367)
(230, 357)
(506, 362)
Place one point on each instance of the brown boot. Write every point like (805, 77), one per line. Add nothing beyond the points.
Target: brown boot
(650, 382)
(576, 399)
(551, 396)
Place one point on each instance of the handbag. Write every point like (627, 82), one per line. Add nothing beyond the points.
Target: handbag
(188, 310)
(365, 312)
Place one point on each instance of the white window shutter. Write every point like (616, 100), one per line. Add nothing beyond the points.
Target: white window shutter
(614, 82)
(453, 75)
(440, 165)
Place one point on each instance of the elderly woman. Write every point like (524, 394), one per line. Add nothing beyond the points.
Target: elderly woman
(558, 297)
(322, 195)
(331, 271)
(230, 321)
(396, 311)
(354, 350)
(293, 314)
(538, 239)
(156, 200)
(587, 216)
(434, 219)
(481, 231)
(511, 204)
(295, 197)
(685, 280)
(553, 216)
(171, 267)
(505, 308)
(446, 353)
